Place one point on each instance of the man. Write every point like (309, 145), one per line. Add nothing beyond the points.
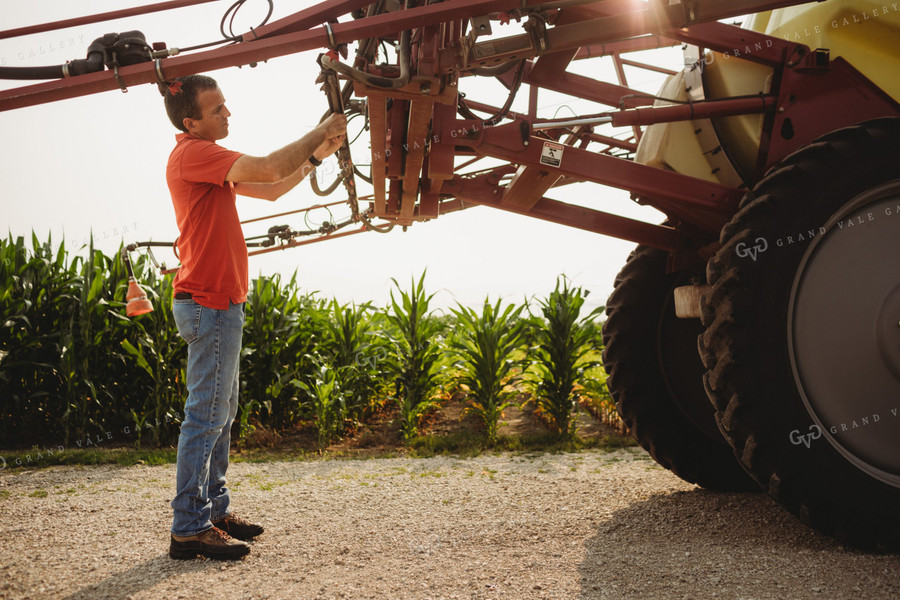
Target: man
(210, 292)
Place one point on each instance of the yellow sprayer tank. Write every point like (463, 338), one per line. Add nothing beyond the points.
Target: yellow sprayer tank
(866, 34)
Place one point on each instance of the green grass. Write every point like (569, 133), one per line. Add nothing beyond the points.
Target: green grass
(126, 457)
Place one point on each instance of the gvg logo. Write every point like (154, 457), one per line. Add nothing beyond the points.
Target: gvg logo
(815, 432)
(371, 361)
(760, 245)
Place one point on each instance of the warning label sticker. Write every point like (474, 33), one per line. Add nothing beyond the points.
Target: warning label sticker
(552, 154)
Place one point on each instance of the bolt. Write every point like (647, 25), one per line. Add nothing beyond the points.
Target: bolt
(781, 109)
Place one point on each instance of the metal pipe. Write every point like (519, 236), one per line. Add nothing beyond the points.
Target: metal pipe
(481, 191)
(694, 110)
(640, 65)
(306, 18)
(725, 107)
(100, 17)
(293, 243)
(263, 49)
(635, 44)
(294, 212)
(564, 4)
(614, 142)
(543, 125)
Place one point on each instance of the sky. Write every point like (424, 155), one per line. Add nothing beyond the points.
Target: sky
(96, 164)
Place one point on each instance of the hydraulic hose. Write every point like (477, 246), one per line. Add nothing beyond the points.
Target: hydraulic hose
(375, 80)
(92, 64)
(495, 70)
(466, 113)
(129, 47)
(327, 191)
(51, 72)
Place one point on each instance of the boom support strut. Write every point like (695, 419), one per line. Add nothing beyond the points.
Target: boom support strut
(417, 140)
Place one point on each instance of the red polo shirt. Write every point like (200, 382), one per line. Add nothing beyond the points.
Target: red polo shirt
(211, 242)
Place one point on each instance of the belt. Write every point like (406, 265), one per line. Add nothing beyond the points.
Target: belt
(183, 295)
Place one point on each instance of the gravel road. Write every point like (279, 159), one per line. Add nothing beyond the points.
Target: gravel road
(567, 526)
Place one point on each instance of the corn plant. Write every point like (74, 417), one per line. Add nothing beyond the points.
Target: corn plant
(326, 402)
(37, 290)
(281, 333)
(65, 370)
(417, 358)
(484, 345)
(161, 353)
(597, 400)
(92, 358)
(561, 342)
(357, 353)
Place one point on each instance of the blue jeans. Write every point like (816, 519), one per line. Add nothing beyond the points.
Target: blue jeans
(214, 352)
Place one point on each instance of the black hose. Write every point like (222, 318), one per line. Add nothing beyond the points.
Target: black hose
(96, 55)
(374, 80)
(362, 175)
(232, 12)
(386, 228)
(314, 183)
(493, 71)
(467, 113)
(51, 72)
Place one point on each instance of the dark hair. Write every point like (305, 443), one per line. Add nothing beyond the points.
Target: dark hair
(183, 104)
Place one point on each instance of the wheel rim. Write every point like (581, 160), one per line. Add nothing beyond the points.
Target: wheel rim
(844, 333)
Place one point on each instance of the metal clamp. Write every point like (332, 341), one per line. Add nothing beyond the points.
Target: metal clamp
(160, 78)
(115, 65)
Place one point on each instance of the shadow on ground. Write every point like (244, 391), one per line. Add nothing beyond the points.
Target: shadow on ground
(144, 576)
(700, 544)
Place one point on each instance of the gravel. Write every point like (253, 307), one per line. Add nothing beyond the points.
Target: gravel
(584, 525)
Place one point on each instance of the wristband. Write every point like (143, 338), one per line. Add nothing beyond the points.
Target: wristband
(314, 161)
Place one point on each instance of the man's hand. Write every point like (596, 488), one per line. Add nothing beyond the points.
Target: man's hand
(329, 147)
(335, 129)
(277, 173)
(334, 125)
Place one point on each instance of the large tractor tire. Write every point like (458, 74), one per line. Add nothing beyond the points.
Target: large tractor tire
(802, 345)
(656, 377)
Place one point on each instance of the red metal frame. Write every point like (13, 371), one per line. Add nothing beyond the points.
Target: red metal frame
(416, 137)
(100, 17)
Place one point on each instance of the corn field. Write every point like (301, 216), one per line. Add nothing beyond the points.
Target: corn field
(75, 370)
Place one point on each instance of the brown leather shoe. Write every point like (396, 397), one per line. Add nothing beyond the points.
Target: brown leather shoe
(239, 527)
(212, 543)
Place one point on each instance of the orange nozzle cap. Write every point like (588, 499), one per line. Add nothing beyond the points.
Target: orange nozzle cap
(137, 302)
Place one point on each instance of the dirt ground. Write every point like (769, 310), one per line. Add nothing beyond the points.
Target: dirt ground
(381, 433)
(499, 526)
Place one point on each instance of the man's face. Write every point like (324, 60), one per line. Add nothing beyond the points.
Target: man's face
(213, 125)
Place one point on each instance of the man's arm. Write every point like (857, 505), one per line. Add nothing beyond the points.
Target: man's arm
(273, 191)
(284, 163)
